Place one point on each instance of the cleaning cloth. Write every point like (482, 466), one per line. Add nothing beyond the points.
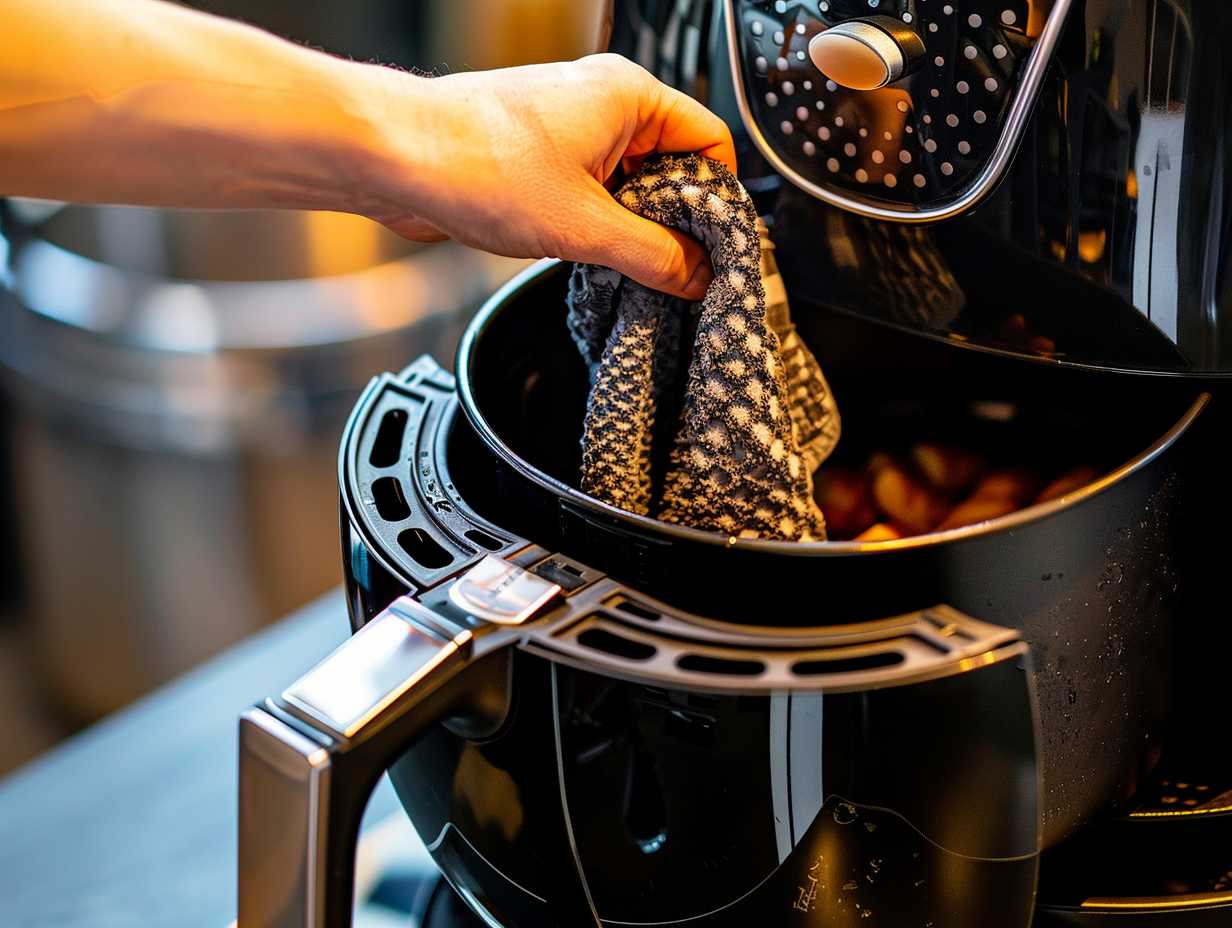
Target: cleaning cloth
(710, 415)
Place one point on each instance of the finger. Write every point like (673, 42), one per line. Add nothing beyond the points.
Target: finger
(651, 254)
(674, 122)
(417, 230)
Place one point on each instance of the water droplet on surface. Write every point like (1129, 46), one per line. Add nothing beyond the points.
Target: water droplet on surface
(772, 98)
(788, 87)
(962, 86)
(845, 813)
(975, 21)
(970, 52)
(862, 175)
(851, 885)
(877, 157)
(1008, 17)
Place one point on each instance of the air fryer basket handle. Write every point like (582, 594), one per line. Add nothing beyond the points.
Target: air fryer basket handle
(310, 760)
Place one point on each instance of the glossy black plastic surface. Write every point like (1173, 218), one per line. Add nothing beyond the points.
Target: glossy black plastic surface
(919, 142)
(1093, 587)
(1107, 241)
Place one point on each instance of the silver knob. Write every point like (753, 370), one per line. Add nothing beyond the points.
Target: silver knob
(868, 53)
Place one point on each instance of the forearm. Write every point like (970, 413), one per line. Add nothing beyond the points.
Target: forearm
(138, 101)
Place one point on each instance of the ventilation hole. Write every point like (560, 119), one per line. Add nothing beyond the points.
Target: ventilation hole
(389, 499)
(703, 663)
(388, 445)
(640, 611)
(847, 664)
(598, 639)
(424, 549)
(484, 540)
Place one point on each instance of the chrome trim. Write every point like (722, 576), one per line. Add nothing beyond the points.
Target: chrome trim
(998, 161)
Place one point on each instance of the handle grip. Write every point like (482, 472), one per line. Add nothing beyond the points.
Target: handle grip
(309, 761)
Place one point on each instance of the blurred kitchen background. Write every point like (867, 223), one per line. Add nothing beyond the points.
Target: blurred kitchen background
(173, 385)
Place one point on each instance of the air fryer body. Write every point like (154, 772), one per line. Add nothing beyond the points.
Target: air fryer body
(1095, 232)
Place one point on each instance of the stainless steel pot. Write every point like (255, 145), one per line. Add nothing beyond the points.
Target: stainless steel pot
(177, 383)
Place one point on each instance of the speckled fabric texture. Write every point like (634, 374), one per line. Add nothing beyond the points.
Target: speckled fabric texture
(728, 443)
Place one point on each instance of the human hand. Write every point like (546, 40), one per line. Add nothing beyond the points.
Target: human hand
(514, 161)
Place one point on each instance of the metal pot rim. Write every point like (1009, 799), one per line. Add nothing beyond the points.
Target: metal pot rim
(1021, 517)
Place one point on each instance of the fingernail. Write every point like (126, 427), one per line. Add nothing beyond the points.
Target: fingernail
(699, 282)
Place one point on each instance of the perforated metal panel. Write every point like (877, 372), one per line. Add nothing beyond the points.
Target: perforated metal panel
(926, 147)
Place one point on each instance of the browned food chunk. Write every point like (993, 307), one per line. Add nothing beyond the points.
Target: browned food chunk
(977, 509)
(906, 501)
(947, 469)
(1018, 485)
(1068, 482)
(844, 497)
(880, 532)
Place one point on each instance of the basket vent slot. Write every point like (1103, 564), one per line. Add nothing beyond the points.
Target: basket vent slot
(484, 540)
(599, 639)
(640, 611)
(725, 666)
(388, 445)
(424, 549)
(390, 500)
(847, 664)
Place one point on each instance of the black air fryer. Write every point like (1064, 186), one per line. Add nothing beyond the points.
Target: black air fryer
(1005, 217)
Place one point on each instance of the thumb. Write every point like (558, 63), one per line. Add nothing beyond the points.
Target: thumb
(661, 258)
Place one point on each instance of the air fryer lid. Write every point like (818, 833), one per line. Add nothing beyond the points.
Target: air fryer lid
(890, 108)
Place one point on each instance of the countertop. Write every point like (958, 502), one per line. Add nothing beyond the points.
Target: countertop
(133, 821)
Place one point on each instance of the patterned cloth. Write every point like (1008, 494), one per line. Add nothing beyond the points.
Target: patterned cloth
(756, 416)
